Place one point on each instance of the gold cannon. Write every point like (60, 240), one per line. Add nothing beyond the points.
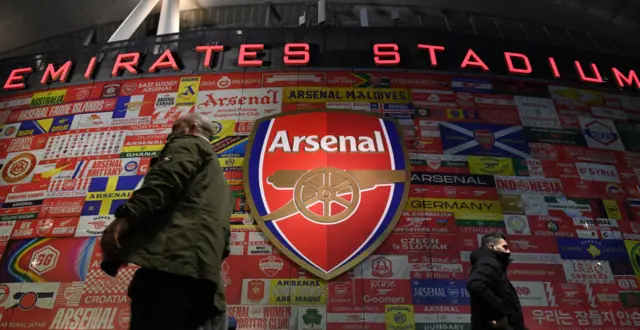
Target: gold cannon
(327, 185)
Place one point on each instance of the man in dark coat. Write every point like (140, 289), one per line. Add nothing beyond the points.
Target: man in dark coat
(494, 302)
(176, 227)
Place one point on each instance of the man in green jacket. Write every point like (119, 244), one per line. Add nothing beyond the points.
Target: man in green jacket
(176, 227)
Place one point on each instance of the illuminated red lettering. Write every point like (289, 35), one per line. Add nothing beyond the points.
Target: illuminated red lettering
(472, 59)
(61, 74)
(386, 54)
(208, 53)
(248, 55)
(628, 80)
(554, 67)
(165, 61)
(597, 79)
(432, 52)
(296, 54)
(126, 61)
(16, 78)
(88, 74)
(525, 60)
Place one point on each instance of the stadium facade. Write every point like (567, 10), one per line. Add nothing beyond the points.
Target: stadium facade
(507, 127)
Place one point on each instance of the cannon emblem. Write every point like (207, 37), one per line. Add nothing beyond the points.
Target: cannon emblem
(338, 191)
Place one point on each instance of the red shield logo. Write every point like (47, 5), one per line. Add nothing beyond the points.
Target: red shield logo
(485, 138)
(128, 88)
(326, 192)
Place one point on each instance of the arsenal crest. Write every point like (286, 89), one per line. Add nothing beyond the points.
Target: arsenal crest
(485, 138)
(326, 187)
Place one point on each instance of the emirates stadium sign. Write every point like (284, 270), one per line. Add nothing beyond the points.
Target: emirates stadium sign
(300, 54)
(315, 184)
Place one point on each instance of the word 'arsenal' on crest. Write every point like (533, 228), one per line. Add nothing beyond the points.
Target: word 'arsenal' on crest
(326, 192)
(328, 143)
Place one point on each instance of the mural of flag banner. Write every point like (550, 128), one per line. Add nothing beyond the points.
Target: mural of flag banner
(633, 249)
(22, 202)
(230, 146)
(578, 188)
(9, 131)
(519, 87)
(519, 185)
(471, 85)
(23, 297)
(132, 110)
(43, 126)
(538, 225)
(484, 140)
(143, 145)
(240, 104)
(615, 210)
(56, 227)
(576, 95)
(241, 207)
(439, 163)
(224, 128)
(495, 109)
(532, 167)
(449, 267)
(188, 91)
(630, 135)
(441, 317)
(284, 292)
(568, 208)
(76, 169)
(424, 98)
(283, 79)
(426, 178)
(523, 203)
(601, 133)
(164, 117)
(463, 192)
(89, 144)
(271, 317)
(427, 222)
(440, 292)
(382, 80)
(150, 86)
(61, 110)
(108, 193)
(20, 167)
(46, 260)
(630, 182)
(467, 212)
(324, 95)
(555, 136)
(68, 188)
(592, 249)
(491, 165)
(634, 208)
(48, 98)
(537, 112)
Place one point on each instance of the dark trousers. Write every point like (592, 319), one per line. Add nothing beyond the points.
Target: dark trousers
(170, 302)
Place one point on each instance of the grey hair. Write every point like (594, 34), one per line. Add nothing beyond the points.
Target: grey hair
(204, 124)
(205, 127)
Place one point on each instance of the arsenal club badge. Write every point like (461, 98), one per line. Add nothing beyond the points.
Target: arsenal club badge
(326, 187)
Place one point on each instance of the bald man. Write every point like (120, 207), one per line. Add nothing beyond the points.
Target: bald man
(176, 228)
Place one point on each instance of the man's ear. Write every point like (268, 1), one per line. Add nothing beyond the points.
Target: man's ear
(193, 128)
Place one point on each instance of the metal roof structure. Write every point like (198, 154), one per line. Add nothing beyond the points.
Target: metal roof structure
(37, 25)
